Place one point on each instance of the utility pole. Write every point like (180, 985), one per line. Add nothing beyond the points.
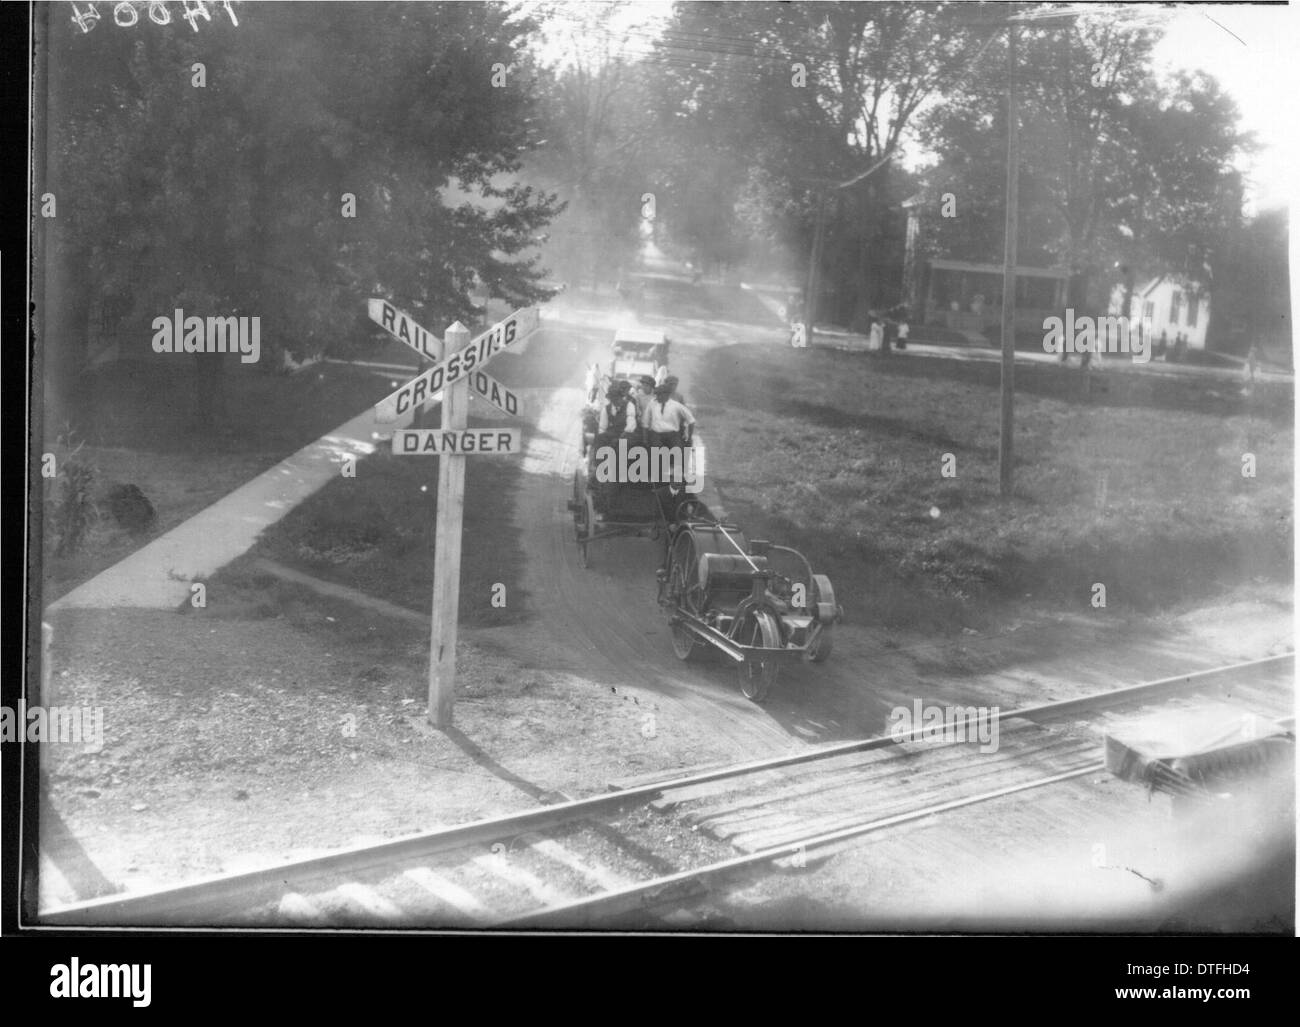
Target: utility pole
(814, 261)
(1005, 446)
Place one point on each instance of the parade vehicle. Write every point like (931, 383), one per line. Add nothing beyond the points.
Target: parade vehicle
(637, 352)
(758, 604)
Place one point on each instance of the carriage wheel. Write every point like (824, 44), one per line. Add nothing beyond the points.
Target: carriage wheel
(590, 518)
(579, 505)
(758, 675)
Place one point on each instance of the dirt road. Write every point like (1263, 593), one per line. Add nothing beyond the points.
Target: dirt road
(602, 622)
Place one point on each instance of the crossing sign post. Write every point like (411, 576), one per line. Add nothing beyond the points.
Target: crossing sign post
(457, 369)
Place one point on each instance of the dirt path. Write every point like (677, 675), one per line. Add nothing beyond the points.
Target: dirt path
(603, 621)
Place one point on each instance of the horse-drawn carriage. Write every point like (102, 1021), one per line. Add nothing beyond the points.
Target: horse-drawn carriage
(612, 509)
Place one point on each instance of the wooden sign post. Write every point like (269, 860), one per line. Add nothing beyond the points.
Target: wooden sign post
(446, 567)
(457, 367)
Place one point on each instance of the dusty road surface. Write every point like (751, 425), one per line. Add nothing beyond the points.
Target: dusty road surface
(602, 621)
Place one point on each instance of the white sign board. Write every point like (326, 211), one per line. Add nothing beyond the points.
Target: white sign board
(403, 328)
(494, 392)
(458, 441)
(478, 352)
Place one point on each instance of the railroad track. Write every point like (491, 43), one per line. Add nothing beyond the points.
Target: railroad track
(626, 856)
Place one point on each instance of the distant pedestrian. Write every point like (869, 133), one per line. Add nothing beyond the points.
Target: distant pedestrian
(903, 328)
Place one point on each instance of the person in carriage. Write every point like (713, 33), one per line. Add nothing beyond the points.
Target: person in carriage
(617, 415)
(594, 385)
(666, 420)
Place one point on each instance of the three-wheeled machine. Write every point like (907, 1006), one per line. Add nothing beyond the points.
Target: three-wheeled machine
(758, 604)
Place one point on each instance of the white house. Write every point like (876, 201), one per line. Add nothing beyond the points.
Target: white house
(1170, 305)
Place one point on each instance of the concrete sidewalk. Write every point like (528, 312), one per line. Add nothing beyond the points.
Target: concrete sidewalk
(159, 575)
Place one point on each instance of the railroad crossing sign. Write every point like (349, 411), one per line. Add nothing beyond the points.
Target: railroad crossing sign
(404, 328)
(465, 442)
(487, 387)
(452, 376)
(454, 367)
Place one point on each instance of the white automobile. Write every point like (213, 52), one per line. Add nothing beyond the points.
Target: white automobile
(637, 352)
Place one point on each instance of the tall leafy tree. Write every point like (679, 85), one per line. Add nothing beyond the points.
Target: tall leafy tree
(814, 95)
(1118, 169)
(233, 193)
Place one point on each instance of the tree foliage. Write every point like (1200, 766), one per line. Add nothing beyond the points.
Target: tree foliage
(231, 196)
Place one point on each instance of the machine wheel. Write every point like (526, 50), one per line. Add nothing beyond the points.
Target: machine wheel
(686, 594)
(757, 676)
(685, 645)
(820, 650)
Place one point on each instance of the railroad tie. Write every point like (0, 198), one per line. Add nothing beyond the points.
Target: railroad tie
(598, 876)
(448, 892)
(299, 908)
(370, 901)
(518, 876)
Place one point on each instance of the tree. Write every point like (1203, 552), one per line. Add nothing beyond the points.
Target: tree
(593, 102)
(1252, 295)
(798, 99)
(1117, 168)
(233, 196)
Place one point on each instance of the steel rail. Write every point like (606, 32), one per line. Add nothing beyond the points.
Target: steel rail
(661, 889)
(688, 883)
(214, 896)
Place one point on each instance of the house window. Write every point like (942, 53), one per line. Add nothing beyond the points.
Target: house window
(1193, 308)
(1175, 307)
(1149, 310)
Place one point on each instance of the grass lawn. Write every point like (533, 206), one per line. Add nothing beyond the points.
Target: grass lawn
(135, 421)
(374, 533)
(843, 455)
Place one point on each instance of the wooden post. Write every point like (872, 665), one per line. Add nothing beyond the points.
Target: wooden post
(1006, 428)
(446, 558)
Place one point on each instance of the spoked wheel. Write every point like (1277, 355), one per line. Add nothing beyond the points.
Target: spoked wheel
(686, 595)
(589, 516)
(579, 505)
(758, 674)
